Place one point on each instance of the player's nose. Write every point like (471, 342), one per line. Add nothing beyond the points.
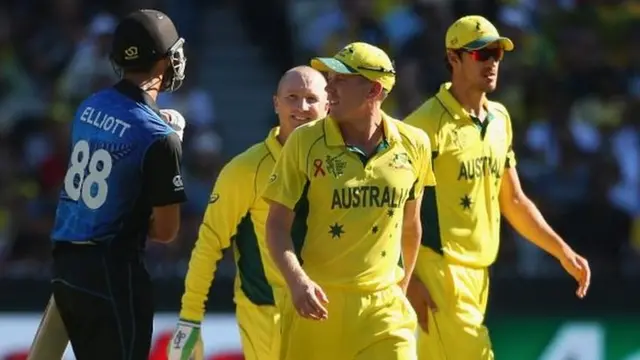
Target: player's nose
(490, 66)
(304, 105)
(330, 88)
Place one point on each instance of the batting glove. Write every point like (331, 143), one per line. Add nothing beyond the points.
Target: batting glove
(175, 120)
(184, 340)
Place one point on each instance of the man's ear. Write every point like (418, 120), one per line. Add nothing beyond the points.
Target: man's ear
(376, 90)
(275, 104)
(453, 57)
(160, 68)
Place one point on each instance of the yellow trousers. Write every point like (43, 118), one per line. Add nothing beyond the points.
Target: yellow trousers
(377, 325)
(259, 331)
(456, 329)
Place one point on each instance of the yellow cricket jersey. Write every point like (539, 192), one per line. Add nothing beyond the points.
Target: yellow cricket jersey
(236, 215)
(461, 214)
(349, 208)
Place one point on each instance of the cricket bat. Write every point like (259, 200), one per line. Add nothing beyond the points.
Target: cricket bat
(198, 351)
(51, 338)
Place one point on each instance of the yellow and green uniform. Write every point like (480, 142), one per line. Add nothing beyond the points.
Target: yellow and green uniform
(461, 220)
(236, 215)
(347, 233)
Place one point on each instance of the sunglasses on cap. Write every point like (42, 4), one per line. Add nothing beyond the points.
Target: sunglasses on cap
(377, 69)
(485, 54)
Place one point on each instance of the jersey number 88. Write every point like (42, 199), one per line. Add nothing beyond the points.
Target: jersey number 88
(92, 188)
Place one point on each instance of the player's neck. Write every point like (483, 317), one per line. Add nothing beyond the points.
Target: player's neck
(282, 138)
(152, 92)
(150, 86)
(364, 133)
(471, 100)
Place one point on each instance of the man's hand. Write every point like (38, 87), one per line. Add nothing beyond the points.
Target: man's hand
(578, 268)
(184, 340)
(421, 300)
(309, 299)
(175, 120)
(404, 284)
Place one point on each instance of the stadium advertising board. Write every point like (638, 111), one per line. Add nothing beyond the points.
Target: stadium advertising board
(519, 338)
(532, 338)
(219, 332)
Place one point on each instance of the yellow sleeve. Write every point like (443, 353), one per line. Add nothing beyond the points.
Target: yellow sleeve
(230, 200)
(429, 175)
(420, 119)
(425, 176)
(288, 179)
(415, 118)
(511, 155)
(510, 160)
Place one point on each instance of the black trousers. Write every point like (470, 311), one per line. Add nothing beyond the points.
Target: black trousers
(105, 302)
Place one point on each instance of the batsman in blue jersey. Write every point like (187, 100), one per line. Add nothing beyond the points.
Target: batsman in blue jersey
(122, 188)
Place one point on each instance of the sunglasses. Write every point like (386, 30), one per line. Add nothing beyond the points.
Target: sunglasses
(378, 69)
(485, 54)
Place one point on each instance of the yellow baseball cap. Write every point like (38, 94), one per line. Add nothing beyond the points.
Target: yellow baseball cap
(474, 32)
(361, 59)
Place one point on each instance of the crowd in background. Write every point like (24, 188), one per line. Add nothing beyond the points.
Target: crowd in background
(572, 87)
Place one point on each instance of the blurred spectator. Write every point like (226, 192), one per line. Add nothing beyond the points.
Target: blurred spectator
(192, 101)
(201, 169)
(17, 90)
(424, 50)
(625, 150)
(52, 45)
(90, 68)
(350, 19)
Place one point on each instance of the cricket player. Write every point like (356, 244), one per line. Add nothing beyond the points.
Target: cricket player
(236, 216)
(474, 165)
(123, 186)
(344, 208)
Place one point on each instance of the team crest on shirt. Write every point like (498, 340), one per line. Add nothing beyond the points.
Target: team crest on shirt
(400, 161)
(335, 166)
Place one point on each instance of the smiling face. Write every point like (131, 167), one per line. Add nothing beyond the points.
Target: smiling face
(351, 95)
(301, 98)
(478, 68)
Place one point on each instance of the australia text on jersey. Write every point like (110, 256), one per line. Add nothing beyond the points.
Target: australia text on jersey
(479, 167)
(104, 121)
(369, 196)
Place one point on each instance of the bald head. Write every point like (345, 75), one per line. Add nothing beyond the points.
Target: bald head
(302, 74)
(300, 98)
